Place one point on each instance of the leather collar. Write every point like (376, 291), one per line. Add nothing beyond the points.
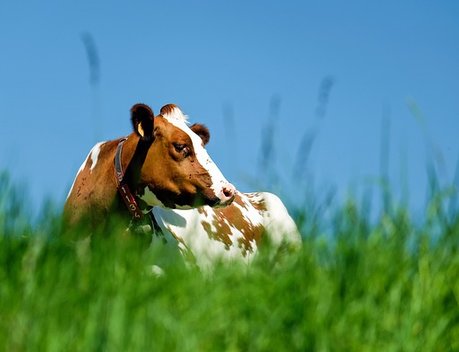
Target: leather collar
(130, 199)
(123, 188)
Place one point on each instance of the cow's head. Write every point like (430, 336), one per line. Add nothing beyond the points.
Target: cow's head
(177, 171)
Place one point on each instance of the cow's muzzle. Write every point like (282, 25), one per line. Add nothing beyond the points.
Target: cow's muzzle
(226, 196)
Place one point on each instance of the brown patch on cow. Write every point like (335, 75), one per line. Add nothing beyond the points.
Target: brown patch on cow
(252, 232)
(223, 230)
(257, 201)
(231, 217)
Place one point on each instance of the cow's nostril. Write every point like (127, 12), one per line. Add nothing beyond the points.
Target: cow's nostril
(228, 191)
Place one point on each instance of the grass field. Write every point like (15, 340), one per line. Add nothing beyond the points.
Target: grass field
(390, 284)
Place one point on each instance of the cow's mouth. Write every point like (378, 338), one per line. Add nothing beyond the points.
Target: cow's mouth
(173, 200)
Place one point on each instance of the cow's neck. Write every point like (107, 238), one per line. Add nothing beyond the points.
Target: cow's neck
(132, 179)
(132, 173)
(129, 158)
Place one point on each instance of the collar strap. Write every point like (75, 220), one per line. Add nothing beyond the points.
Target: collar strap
(123, 188)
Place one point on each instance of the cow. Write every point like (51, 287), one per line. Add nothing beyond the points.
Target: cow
(160, 178)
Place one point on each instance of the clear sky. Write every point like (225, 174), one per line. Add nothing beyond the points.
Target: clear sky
(261, 75)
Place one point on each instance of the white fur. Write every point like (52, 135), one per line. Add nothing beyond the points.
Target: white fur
(176, 115)
(95, 151)
(278, 223)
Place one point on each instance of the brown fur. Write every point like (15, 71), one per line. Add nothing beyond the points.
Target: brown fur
(202, 132)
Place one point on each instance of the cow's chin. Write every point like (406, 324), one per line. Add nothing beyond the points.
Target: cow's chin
(196, 202)
(183, 201)
(202, 200)
(216, 202)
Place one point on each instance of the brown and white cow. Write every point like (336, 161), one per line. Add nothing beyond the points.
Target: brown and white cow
(169, 174)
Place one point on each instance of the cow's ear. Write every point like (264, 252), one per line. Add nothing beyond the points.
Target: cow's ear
(142, 118)
(202, 131)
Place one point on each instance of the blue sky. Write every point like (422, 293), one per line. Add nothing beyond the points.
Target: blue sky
(333, 67)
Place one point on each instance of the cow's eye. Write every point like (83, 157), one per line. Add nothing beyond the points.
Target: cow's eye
(179, 147)
(182, 149)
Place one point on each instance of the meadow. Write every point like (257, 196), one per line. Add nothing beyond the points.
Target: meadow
(358, 284)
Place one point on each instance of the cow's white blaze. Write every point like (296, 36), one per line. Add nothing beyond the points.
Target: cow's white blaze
(219, 182)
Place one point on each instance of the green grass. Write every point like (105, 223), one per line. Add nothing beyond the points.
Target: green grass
(385, 285)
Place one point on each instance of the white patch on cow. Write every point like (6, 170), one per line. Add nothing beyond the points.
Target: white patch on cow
(150, 198)
(208, 216)
(176, 114)
(179, 120)
(188, 229)
(95, 151)
(279, 225)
